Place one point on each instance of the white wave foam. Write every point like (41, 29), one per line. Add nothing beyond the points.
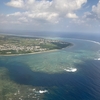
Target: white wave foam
(71, 70)
(97, 59)
(86, 40)
(43, 91)
(94, 41)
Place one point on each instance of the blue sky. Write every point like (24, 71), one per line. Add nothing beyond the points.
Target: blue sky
(50, 15)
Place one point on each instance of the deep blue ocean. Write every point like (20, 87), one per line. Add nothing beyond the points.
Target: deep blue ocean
(48, 70)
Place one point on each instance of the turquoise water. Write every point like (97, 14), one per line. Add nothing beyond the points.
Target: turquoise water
(67, 74)
(57, 61)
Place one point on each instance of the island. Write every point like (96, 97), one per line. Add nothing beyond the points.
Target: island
(17, 76)
(23, 45)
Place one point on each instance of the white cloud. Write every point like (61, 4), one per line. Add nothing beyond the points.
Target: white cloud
(51, 17)
(79, 21)
(90, 20)
(23, 19)
(96, 9)
(94, 14)
(15, 14)
(48, 10)
(68, 5)
(71, 15)
(43, 13)
(16, 3)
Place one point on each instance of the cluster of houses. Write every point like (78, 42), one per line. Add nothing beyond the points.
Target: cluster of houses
(20, 48)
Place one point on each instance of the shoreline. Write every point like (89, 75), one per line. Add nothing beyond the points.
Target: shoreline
(35, 52)
(25, 53)
(30, 53)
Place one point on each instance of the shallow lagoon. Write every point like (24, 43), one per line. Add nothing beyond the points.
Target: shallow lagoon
(46, 71)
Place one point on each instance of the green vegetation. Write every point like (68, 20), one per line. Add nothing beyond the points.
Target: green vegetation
(22, 45)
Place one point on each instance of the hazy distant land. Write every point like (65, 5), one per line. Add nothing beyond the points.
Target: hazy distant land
(23, 45)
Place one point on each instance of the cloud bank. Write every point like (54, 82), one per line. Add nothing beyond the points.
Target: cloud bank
(51, 11)
(58, 14)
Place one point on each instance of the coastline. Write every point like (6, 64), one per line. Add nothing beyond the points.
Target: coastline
(36, 52)
(30, 53)
(10, 53)
(51, 50)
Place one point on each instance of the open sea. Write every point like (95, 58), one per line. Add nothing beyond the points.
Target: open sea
(71, 73)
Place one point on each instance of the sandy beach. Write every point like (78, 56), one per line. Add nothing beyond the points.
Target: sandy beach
(31, 53)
